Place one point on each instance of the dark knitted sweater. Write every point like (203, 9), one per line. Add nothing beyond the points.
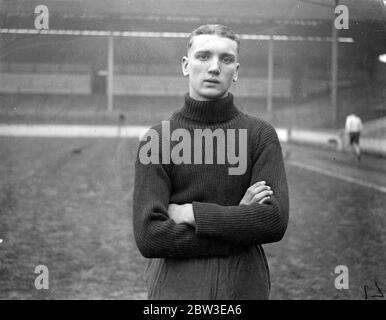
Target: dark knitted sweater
(221, 257)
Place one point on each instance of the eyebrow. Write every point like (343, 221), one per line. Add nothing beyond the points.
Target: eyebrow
(202, 51)
(210, 52)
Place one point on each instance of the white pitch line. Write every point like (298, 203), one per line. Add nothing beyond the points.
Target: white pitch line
(71, 131)
(338, 176)
(85, 131)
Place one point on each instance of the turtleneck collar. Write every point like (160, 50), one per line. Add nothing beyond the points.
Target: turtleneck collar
(209, 111)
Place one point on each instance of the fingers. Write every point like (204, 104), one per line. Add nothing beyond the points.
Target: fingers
(260, 189)
(172, 210)
(264, 200)
(256, 193)
(259, 183)
(261, 195)
(254, 189)
(171, 206)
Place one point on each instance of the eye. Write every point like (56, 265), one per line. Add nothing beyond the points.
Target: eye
(202, 56)
(228, 60)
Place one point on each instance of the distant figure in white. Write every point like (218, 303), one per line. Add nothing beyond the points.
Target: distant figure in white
(353, 128)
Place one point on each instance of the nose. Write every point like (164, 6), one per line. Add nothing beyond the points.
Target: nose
(214, 67)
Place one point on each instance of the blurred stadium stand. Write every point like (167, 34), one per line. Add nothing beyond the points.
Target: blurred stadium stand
(51, 73)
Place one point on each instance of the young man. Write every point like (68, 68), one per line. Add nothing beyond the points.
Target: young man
(200, 219)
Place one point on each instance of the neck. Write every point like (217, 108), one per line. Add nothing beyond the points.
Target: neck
(210, 111)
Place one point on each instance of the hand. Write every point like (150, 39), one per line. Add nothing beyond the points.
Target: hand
(258, 192)
(181, 213)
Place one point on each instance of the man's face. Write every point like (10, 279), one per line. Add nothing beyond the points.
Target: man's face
(211, 65)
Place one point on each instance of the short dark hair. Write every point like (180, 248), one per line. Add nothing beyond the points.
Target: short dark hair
(216, 29)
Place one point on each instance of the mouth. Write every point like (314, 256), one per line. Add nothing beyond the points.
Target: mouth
(212, 81)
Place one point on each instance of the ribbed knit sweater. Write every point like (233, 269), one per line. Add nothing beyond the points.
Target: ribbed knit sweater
(221, 257)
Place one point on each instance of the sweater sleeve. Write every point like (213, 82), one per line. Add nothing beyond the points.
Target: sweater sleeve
(158, 236)
(254, 223)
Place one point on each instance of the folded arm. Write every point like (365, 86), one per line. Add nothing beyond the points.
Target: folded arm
(158, 236)
(253, 223)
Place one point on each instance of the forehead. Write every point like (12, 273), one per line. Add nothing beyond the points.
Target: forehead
(213, 43)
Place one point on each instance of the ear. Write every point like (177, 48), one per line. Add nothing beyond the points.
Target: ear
(236, 72)
(184, 66)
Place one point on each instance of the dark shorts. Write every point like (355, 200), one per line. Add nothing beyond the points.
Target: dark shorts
(354, 137)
